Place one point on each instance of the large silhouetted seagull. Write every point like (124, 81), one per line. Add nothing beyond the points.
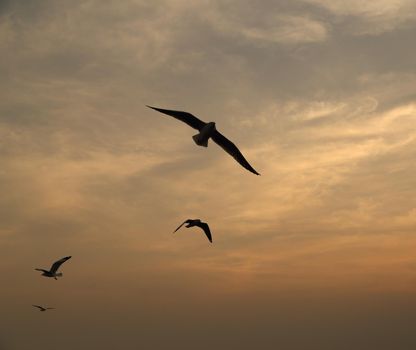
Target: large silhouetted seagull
(206, 131)
(199, 223)
(41, 308)
(53, 272)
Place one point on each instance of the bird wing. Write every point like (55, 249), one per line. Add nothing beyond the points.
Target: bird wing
(185, 117)
(232, 150)
(38, 306)
(206, 229)
(58, 263)
(186, 221)
(43, 270)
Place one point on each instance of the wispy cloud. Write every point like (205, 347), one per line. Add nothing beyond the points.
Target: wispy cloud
(86, 169)
(272, 28)
(375, 17)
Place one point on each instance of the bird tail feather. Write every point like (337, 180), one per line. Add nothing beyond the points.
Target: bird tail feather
(59, 274)
(200, 141)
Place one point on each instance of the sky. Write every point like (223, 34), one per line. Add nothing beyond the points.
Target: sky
(316, 253)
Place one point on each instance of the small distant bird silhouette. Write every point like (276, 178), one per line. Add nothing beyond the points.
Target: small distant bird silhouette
(53, 272)
(199, 223)
(206, 131)
(41, 308)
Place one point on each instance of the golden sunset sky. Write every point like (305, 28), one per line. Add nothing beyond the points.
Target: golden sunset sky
(319, 252)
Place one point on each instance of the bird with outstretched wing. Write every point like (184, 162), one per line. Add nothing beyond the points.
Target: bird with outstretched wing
(208, 130)
(197, 222)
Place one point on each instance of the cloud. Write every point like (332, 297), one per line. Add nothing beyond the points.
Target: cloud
(272, 28)
(88, 170)
(374, 17)
(75, 105)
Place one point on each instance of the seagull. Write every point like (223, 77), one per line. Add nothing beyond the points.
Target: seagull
(199, 223)
(54, 268)
(41, 308)
(206, 131)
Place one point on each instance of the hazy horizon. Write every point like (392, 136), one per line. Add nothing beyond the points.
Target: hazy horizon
(316, 253)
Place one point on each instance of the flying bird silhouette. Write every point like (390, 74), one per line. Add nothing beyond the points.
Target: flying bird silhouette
(53, 272)
(206, 131)
(199, 223)
(41, 308)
